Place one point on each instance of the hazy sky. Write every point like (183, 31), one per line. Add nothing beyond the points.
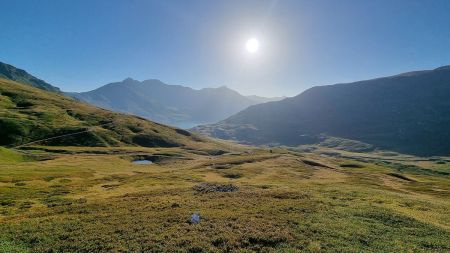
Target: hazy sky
(79, 45)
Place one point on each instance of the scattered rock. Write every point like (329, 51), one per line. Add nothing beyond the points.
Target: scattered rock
(195, 218)
(209, 187)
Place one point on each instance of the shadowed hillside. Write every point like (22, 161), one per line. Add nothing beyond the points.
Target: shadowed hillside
(408, 113)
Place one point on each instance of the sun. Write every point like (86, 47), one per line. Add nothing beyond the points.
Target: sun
(252, 45)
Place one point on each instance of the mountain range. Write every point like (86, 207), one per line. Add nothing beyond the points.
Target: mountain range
(29, 114)
(170, 104)
(408, 113)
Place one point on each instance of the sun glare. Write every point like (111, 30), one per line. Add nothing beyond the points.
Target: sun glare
(252, 45)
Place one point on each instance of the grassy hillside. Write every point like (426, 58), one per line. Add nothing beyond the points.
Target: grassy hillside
(28, 114)
(10, 156)
(95, 200)
(19, 75)
(408, 113)
(89, 196)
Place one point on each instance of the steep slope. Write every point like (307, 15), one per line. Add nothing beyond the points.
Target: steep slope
(19, 75)
(28, 114)
(407, 113)
(170, 104)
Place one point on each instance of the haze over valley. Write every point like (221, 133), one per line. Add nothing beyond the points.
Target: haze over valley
(170, 104)
(225, 126)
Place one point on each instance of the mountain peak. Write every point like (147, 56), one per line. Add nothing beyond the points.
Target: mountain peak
(447, 67)
(128, 80)
(170, 104)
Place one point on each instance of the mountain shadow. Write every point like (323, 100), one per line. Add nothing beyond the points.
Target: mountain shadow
(408, 113)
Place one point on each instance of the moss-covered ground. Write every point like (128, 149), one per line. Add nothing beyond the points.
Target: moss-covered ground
(65, 199)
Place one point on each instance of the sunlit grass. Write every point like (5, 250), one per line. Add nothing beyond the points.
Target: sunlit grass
(82, 200)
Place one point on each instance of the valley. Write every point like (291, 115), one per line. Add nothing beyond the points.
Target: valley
(175, 105)
(77, 178)
(244, 126)
(83, 199)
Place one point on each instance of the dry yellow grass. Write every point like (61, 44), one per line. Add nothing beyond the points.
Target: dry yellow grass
(84, 201)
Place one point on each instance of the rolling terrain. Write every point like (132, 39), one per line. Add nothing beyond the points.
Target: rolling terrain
(170, 104)
(93, 199)
(408, 113)
(68, 183)
(28, 114)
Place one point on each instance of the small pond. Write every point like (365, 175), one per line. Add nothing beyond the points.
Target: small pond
(142, 162)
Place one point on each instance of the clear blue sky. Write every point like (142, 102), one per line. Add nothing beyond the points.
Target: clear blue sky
(79, 45)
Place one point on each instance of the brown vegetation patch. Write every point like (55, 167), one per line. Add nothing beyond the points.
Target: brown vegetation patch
(232, 175)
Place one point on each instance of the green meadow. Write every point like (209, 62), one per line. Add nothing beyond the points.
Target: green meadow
(81, 199)
(78, 190)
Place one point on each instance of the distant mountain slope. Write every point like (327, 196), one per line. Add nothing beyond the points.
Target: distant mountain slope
(170, 104)
(408, 113)
(261, 100)
(28, 114)
(19, 75)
